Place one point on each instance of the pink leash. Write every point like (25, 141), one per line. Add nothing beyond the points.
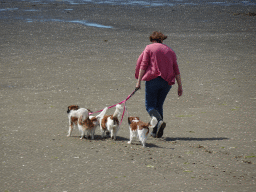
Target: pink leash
(129, 96)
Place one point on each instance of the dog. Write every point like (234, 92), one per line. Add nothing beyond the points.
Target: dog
(90, 124)
(74, 113)
(140, 129)
(111, 123)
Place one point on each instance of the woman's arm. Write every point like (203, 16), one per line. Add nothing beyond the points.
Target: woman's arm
(141, 73)
(178, 79)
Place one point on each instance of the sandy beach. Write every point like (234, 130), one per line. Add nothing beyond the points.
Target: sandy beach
(56, 54)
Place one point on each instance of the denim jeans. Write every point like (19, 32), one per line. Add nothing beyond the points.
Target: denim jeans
(156, 91)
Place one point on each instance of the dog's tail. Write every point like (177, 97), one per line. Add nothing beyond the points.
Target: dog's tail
(101, 115)
(118, 111)
(153, 122)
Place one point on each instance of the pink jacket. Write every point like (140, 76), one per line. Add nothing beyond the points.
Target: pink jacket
(158, 60)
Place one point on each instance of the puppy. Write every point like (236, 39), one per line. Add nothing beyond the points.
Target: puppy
(140, 129)
(89, 124)
(111, 123)
(74, 113)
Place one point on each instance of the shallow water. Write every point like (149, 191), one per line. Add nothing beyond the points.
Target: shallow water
(37, 15)
(152, 2)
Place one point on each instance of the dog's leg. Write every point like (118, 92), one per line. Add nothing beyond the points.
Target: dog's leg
(143, 142)
(87, 134)
(70, 127)
(82, 133)
(115, 132)
(142, 137)
(92, 134)
(102, 134)
(70, 130)
(131, 136)
(112, 134)
(117, 129)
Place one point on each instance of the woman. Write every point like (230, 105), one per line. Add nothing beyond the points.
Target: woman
(157, 65)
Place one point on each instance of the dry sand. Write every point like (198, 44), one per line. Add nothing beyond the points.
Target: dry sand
(210, 141)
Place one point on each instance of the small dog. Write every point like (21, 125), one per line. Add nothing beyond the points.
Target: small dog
(74, 113)
(111, 123)
(140, 129)
(90, 124)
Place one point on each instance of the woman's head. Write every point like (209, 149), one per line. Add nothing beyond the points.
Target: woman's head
(157, 36)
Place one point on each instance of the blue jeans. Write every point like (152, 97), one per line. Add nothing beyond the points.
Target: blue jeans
(156, 91)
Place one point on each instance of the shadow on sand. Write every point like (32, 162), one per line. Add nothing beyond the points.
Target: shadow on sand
(194, 139)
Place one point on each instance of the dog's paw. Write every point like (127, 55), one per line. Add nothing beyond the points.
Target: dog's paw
(129, 142)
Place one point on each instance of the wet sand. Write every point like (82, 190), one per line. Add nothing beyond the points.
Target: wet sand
(209, 143)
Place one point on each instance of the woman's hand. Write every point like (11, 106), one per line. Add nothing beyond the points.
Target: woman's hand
(180, 91)
(138, 85)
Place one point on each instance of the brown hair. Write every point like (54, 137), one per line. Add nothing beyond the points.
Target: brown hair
(157, 36)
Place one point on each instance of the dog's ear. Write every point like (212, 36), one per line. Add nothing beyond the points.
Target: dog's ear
(138, 118)
(68, 109)
(129, 120)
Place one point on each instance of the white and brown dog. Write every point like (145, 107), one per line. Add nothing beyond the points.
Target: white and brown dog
(140, 129)
(90, 124)
(111, 123)
(78, 117)
(74, 112)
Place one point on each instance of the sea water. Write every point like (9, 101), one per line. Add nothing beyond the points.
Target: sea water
(151, 2)
(4, 11)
